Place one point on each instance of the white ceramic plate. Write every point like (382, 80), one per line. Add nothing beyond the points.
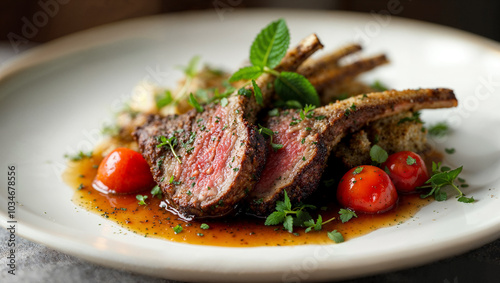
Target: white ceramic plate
(54, 99)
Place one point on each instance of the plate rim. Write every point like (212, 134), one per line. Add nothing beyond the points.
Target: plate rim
(11, 68)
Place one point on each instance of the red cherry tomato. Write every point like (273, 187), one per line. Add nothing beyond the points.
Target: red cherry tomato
(407, 171)
(367, 189)
(123, 171)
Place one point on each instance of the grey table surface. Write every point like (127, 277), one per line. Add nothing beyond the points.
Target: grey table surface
(38, 263)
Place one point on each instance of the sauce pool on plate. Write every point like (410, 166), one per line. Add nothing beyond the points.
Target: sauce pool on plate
(151, 220)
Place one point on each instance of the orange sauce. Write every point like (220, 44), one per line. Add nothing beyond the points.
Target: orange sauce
(151, 220)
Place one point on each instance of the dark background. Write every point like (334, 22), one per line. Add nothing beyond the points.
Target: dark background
(479, 17)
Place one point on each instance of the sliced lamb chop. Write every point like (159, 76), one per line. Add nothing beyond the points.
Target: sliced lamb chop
(219, 155)
(298, 166)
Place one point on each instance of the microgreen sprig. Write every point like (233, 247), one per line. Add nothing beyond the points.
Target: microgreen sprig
(268, 132)
(171, 142)
(141, 199)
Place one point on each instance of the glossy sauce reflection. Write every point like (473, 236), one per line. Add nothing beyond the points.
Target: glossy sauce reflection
(238, 231)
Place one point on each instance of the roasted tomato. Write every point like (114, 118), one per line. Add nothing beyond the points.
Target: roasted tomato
(123, 171)
(367, 189)
(407, 170)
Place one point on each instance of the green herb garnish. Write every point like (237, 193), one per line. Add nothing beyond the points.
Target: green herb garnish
(268, 132)
(318, 225)
(444, 178)
(439, 130)
(357, 170)
(378, 154)
(171, 142)
(193, 102)
(156, 192)
(177, 229)
(346, 214)
(378, 86)
(141, 199)
(410, 160)
(164, 99)
(79, 156)
(335, 236)
(414, 118)
(289, 216)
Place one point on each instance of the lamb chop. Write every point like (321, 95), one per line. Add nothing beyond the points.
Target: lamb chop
(307, 143)
(205, 163)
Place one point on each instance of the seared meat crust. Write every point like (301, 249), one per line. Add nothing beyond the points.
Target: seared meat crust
(298, 166)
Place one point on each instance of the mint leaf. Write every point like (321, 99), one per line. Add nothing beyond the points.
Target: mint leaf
(293, 86)
(275, 218)
(247, 73)
(301, 217)
(335, 236)
(288, 224)
(288, 204)
(378, 154)
(193, 102)
(257, 92)
(281, 206)
(270, 45)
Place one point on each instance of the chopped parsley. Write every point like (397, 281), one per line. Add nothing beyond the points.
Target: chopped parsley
(410, 160)
(177, 229)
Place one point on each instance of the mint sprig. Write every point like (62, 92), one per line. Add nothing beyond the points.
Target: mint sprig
(266, 52)
(270, 45)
